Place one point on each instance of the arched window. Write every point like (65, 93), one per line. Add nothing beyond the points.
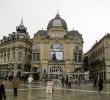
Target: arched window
(56, 46)
(50, 70)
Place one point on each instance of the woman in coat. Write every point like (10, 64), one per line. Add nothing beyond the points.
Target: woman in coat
(15, 84)
(2, 91)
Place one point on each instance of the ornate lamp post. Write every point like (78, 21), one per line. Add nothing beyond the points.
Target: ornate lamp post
(78, 78)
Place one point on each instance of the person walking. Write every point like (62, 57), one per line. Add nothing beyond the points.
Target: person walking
(2, 91)
(63, 81)
(30, 79)
(66, 81)
(69, 82)
(100, 85)
(95, 82)
(15, 84)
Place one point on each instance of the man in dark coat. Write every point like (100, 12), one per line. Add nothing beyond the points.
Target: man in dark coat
(100, 85)
(2, 91)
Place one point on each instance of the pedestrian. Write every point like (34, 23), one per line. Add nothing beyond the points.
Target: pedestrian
(69, 82)
(15, 84)
(2, 91)
(11, 78)
(95, 82)
(30, 79)
(78, 80)
(63, 81)
(100, 85)
(66, 81)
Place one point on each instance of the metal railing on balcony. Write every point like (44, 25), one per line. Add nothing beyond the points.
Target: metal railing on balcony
(58, 62)
(35, 62)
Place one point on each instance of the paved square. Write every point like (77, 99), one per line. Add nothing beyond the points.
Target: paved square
(37, 91)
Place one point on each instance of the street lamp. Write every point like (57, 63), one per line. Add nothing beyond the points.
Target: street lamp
(78, 79)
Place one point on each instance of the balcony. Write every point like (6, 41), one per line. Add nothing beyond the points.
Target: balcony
(35, 62)
(56, 62)
(78, 63)
(79, 50)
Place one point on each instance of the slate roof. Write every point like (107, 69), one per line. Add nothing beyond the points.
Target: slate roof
(74, 33)
(42, 32)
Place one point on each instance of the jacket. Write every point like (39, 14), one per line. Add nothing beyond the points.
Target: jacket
(2, 91)
(15, 82)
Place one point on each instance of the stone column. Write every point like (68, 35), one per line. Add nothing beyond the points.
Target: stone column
(77, 57)
(24, 56)
(15, 69)
(0, 56)
(6, 55)
(10, 57)
(3, 56)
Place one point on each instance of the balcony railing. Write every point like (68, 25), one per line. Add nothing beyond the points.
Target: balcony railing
(80, 63)
(58, 62)
(35, 62)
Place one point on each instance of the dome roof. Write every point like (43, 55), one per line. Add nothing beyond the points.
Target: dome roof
(57, 21)
(42, 32)
(74, 33)
(21, 28)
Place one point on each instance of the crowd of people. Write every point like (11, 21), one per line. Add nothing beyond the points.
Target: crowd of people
(69, 82)
(21, 78)
(65, 82)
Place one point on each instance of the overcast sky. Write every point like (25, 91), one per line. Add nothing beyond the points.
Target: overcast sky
(90, 17)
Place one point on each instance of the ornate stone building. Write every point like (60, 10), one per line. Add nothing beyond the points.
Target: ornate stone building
(15, 52)
(99, 58)
(56, 50)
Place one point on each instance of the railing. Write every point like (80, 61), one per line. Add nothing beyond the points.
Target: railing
(35, 62)
(56, 62)
(76, 62)
(80, 63)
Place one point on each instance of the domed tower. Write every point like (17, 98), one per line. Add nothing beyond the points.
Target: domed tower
(57, 22)
(57, 27)
(21, 28)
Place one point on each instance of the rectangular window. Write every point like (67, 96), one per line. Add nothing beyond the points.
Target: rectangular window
(8, 55)
(19, 66)
(33, 56)
(38, 57)
(5, 57)
(79, 57)
(75, 57)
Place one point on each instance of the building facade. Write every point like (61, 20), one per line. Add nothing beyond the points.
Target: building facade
(99, 58)
(15, 52)
(56, 51)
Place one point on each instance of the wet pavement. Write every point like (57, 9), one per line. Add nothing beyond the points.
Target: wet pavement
(37, 91)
